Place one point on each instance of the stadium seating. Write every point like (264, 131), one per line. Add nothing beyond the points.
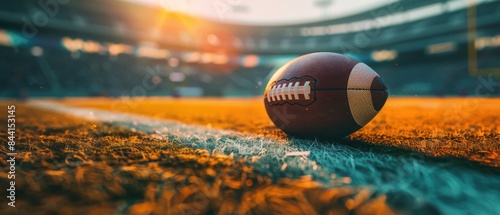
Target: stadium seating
(64, 73)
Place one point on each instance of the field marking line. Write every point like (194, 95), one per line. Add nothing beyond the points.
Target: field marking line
(185, 134)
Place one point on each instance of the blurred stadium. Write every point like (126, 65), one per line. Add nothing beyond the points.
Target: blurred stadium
(425, 48)
(155, 107)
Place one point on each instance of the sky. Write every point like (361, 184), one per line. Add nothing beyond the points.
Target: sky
(266, 12)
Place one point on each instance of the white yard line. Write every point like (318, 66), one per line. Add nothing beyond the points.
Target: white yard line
(186, 134)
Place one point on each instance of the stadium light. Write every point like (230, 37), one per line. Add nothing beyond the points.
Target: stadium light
(151, 50)
(212, 39)
(91, 46)
(36, 51)
(177, 77)
(441, 48)
(384, 55)
(220, 59)
(250, 61)
(206, 58)
(486, 42)
(4, 38)
(191, 57)
(115, 49)
(72, 44)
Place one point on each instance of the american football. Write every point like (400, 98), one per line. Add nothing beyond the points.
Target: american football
(324, 95)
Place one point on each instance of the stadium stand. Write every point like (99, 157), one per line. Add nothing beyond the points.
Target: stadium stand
(441, 39)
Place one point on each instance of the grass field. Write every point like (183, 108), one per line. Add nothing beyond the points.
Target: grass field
(459, 127)
(224, 156)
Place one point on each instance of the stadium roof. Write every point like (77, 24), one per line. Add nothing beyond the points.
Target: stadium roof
(265, 12)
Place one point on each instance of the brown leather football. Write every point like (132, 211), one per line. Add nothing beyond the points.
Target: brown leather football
(324, 95)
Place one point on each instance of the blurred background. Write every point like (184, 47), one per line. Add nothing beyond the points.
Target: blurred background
(226, 48)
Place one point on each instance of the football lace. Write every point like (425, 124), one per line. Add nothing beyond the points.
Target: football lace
(287, 91)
